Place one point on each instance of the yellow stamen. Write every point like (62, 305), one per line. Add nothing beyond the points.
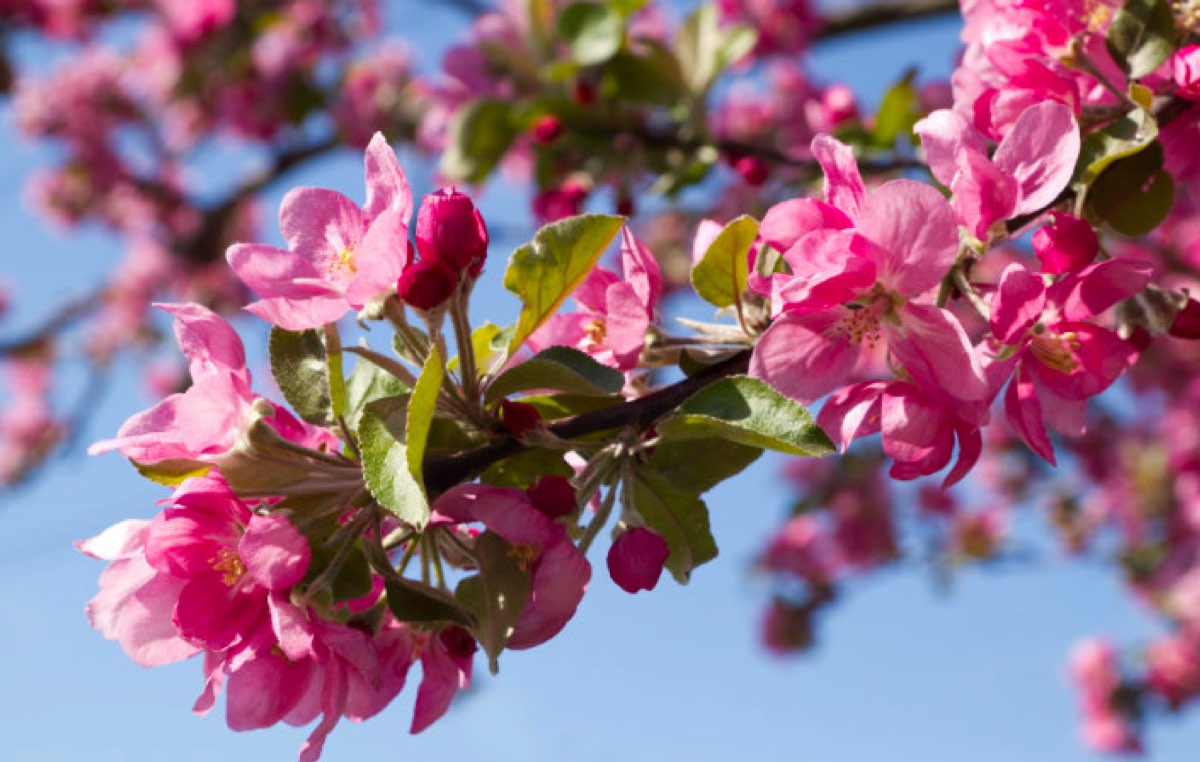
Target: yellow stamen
(230, 565)
(1056, 351)
(524, 554)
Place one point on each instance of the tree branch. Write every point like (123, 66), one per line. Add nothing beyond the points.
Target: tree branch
(862, 18)
(443, 473)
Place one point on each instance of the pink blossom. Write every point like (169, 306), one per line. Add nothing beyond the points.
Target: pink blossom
(616, 310)
(339, 256)
(1030, 167)
(1066, 244)
(859, 263)
(1061, 360)
(1185, 66)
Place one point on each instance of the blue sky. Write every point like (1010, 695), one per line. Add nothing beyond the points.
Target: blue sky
(903, 671)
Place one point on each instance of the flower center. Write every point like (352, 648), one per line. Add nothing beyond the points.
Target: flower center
(596, 331)
(1056, 351)
(859, 324)
(524, 554)
(230, 565)
(344, 260)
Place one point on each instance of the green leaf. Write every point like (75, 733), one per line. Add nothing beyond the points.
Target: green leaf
(650, 75)
(705, 49)
(497, 595)
(421, 407)
(301, 370)
(545, 271)
(554, 406)
(385, 465)
(594, 32)
(1125, 137)
(366, 384)
(720, 277)
(559, 368)
(171, 473)
(1133, 194)
(480, 134)
(483, 344)
(897, 112)
(626, 7)
(696, 465)
(680, 517)
(415, 602)
(747, 411)
(1140, 36)
(526, 467)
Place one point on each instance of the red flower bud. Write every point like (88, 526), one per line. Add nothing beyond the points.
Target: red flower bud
(584, 92)
(556, 203)
(636, 558)
(547, 129)
(519, 417)
(450, 230)
(752, 169)
(1187, 321)
(553, 496)
(426, 284)
(1066, 244)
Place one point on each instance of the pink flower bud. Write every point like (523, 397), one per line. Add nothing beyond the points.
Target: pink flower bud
(636, 558)
(553, 496)
(752, 169)
(426, 284)
(584, 92)
(1187, 321)
(1066, 244)
(839, 105)
(547, 129)
(450, 230)
(1186, 68)
(519, 417)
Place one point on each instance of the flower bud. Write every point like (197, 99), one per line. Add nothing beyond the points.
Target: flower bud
(556, 203)
(636, 558)
(426, 284)
(553, 496)
(451, 231)
(1187, 321)
(1186, 68)
(547, 129)
(519, 417)
(752, 169)
(1066, 244)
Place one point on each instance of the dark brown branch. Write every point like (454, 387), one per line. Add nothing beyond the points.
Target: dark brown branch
(443, 473)
(869, 17)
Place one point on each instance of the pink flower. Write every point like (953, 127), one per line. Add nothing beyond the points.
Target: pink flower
(559, 572)
(1185, 67)
(636, 558)
(1066, 244)
(1061, 360)
(339, 256)
(1030, 167)
(616, 310)
(446, 660)
(858, 264)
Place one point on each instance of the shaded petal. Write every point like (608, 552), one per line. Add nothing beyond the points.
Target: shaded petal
(1097, 355)
(944, 135)
(1039, 152)
(970, 447)
(706, 232)
(215, 616)
(1097, 287)
(1017, 304)
(275, 553)
(264, 689)
(983, 194)
(801, 355)
(590, 294)
(933, 347)
(852, 412)
(333, 701)
(291, 627)
(387, 185)
(1024, 414)
(560, 579)
(300, 314)
(505, 511)
(214, 676)
(1065, 416)
(625, 325)
(914, 228)
(917, 435)
(844, 187)
(641, 270)
(441, 678)
(395, 648)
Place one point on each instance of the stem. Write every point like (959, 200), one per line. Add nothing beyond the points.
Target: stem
(599, 520)
(968, 291)
(466, 348)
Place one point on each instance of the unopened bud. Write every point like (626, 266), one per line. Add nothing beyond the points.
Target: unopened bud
(636, 558)
(519, 418)
(426, 284)
(752, 169)
(547, 129)
(451, 231)
(1066, 244)
(552, 495)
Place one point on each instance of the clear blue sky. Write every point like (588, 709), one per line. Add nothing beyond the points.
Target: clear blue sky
(903, 672)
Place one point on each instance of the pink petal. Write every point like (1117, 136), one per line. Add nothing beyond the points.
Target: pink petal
(208, 341)
(828, 268)
(706, 232)
(318, 225)
(121, 539)
(844, 187)
(213, 615)
(933, 347)
(275, 553)
(380, 258)
(916, 434)
(789, 221)
(441, 678)
(801, 356)
(387, 185)
(133, 607)
(1024, 414)
(264, 689)
(625, 325)
(852, 412)
(507, 512)
(970, 447)
(944, 135)
(214, 676)
(560, 579)
(300, 314)
(395, 648)
(291, 627)
(983, 195)
(1099, 357)
(1039, 152)
(273, 272)
(914, 228)
(1018, 303)
(1097, 287)
(590, 294)
(333, 701)
(1066, 416)
(640, 270)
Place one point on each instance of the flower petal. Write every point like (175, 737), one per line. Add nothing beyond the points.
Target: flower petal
(915, 230)
(387, 185)
(801, 356)
(1039, 152)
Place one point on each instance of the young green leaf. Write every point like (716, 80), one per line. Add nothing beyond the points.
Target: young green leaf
(1133, 194)
(545, 271)
(497, 595)
(415, 602)
(480, 135)
(680, 517)
(301, 370)
(385, 465)
(593, 31)
(421, 407)
(366, 384)
(1140, 36)
(696, 466)
(747, 411)
(720, 276)
(558, 368)
(172, 473)
(897, 112)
